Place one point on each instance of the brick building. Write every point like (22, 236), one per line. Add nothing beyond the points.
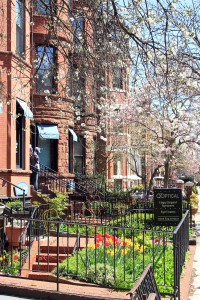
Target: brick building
(39, 93)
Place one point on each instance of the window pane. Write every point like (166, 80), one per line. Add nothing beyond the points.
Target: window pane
(20, 137)
(79, 165)
(117, 78)
(70, 80)
(78, 25)
(79, 87)
(79, 156)
(70, 8)
(46, 7)
(78, 83)
(71, 154)
(78, 149)
(45, 81)
(19, 13)
(20, 33)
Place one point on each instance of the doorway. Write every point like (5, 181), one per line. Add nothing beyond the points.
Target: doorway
(48, 153)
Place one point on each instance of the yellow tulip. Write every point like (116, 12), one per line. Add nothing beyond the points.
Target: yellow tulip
(91, 246)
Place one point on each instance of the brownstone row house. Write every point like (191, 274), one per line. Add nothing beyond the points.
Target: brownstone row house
(43, 104)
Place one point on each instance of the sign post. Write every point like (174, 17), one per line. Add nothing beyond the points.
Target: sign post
(167, 206)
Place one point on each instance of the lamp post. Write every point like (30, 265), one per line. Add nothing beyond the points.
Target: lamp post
(188, 188)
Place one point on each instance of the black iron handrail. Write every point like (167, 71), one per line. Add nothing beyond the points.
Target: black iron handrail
(45, 168)
(90, 184)
(5, 180)
(63, 184)
(58, 183)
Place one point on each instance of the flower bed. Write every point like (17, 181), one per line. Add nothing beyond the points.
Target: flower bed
(10, 263)
(119, 261)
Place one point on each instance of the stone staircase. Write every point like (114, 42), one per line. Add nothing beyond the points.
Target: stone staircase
(47, 259)
(44, 261)
(79, 188)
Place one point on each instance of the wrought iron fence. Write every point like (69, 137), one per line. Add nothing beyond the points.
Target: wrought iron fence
(51, 182)
(102, 212)
(113, 254)
(145, 286)
(181, 245)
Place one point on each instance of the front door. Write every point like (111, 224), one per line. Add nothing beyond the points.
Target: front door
(48, 153)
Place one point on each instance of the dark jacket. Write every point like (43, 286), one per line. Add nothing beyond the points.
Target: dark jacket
(35, 159)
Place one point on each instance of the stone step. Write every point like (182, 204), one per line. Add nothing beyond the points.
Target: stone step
(53, 249)
(45, 276)
(46, 260)
(43, 267)
(51, 258)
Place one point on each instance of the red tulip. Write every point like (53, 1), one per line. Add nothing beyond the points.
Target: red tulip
(108, 236)
(107, 244)
(156, 240)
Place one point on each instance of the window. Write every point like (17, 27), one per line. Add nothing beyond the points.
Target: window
(70, 77)
(117, 166)
(71, 153)
(78, 25)
(117, 78)
(20, 27)
(46, 69)
(79, 156)
(46, 7)
(20, 137)
(76, 85)
(70, 2)
(72, 138)
(79, 86)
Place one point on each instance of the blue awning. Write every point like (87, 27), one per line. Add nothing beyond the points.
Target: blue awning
(48, 131)
(27, 112)
(75, 138)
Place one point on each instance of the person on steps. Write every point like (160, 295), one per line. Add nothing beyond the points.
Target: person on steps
(35, 167)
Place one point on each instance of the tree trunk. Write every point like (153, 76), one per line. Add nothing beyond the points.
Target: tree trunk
(166, 177)
(152, 177)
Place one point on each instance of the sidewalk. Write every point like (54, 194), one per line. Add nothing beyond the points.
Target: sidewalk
(41, 290)
(194, 293)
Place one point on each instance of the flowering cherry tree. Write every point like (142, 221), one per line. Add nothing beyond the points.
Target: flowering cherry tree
(165, 106)
(157, 42)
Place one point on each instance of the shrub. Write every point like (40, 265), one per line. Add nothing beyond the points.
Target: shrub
(195, 189)
(15, 204)
(194, 200)
(58, 203)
